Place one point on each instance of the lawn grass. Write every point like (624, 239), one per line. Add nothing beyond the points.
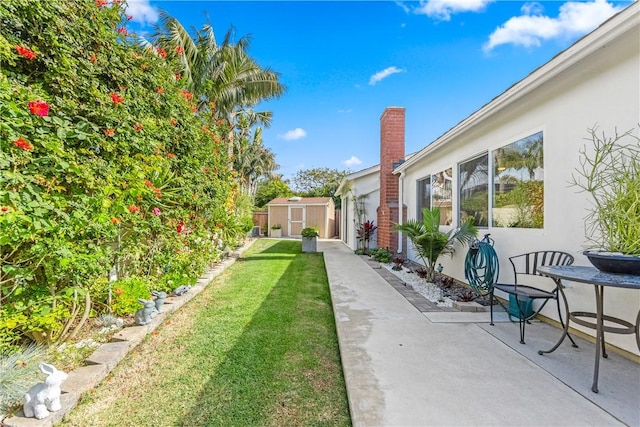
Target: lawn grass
(257, 347)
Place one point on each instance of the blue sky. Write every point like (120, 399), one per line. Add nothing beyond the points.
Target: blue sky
(345, 62)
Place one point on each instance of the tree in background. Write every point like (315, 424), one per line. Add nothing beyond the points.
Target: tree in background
(269, 189)
(251, 160)
(318, 182)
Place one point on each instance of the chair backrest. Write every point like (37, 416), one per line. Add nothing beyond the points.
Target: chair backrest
(528, 263)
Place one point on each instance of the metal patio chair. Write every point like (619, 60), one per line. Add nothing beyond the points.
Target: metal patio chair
(527, 264)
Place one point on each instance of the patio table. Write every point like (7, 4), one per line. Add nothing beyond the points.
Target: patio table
(600, 280)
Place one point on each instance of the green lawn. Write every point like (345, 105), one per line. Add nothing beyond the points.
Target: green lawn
(257, 347)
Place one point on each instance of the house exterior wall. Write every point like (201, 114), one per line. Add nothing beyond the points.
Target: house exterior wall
(601, 89)
(365, 188)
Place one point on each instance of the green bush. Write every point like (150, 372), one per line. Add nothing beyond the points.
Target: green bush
(105, 161)
(383, 255)
(125, 294)
(310, 232)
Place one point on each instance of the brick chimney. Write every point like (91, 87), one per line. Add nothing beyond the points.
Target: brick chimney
(391, 153)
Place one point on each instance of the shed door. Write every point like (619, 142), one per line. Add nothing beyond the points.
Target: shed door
(296, 220)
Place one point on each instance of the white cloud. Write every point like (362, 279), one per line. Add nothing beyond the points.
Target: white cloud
(353, 161)
(532, 28)
(142, 12)
(297, 133)
(442, 10)
(380, 75)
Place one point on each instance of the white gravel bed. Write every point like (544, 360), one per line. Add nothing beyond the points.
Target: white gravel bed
(428, 290)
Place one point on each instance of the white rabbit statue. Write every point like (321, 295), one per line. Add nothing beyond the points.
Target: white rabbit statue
(44, 397)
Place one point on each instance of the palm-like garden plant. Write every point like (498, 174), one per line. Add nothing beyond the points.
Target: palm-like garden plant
(224, 78)
(430, 243)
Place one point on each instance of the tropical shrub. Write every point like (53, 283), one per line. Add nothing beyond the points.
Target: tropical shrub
(364, 234)
(430, 243)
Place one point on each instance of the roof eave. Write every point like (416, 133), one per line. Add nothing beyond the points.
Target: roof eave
(617, 25)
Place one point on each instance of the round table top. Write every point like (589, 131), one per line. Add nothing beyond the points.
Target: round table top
(592, 275)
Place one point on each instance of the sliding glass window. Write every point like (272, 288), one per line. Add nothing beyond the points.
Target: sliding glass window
(473, 182)
(435, 191)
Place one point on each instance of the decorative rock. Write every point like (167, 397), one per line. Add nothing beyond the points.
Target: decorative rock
(44, 397)
(148, 312)
(159, 301)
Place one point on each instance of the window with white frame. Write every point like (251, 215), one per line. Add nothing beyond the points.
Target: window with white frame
(518, 184)
(435, 191)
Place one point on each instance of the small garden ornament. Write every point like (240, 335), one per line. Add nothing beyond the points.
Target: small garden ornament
(181, 290)
(148, 312)
(160, 297)
(44, 397)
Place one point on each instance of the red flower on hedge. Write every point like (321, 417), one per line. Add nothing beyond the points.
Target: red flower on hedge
(173, 121)
(129, 18)
(94, 58)
(122, 30)
(117, 99)
(188, 95)
(101, 3)
(161, 52)
(39, 108)
(137, 127)
(4, 209)
(180, 227)
(179, 50)
(134, 208)
(178, 76)
(115, 220)
(23, 143)
(109, 132)
(148, 183)
(159, 90)
(25, 52)
(171, 155)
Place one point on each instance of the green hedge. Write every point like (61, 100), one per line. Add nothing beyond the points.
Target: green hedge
(104, 162)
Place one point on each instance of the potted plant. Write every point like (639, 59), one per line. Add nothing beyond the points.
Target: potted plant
(310, 239)
(276, 230)
(430, 243)
(610, 174)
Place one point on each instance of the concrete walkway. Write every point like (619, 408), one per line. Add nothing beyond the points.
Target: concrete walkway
(402, 369)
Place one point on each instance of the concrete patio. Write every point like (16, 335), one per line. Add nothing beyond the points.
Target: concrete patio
(410, 367)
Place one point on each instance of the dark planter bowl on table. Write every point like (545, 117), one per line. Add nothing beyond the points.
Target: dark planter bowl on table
(613, 262)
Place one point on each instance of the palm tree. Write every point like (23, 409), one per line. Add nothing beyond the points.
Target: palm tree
(430, 243)
(224, 78)
(252, 160)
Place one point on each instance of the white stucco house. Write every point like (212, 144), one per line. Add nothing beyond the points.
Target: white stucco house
(361, 198)
(470, 170)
